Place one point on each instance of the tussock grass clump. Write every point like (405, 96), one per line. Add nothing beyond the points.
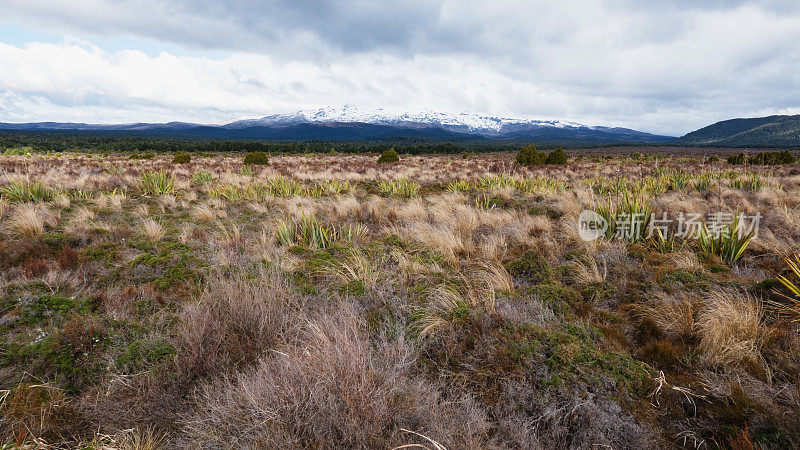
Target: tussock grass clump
(256, 158)
(401, 188)
(333, 388)
(156, 183)
(239, 315)
(731, 328)
(153, 230)
(29, 220)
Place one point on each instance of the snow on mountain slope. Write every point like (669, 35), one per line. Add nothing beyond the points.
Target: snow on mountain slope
(462, 122)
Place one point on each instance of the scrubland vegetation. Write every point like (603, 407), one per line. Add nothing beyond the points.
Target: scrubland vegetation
(438, 301)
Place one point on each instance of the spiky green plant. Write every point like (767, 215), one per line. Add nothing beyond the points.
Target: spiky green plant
(629, 218)
(81, 194)
(156, 183)
(665, 242)
(459, 186)
(704, 182)
(752, 182)
(537, 185)
(485, 201)
(728, 241)
(679, 179)
(202, 177)
(634, 213)
(310, 232)
(401, 188)
(26, 191)
(606, 210)
(280, 186)
(336, 187)
(792, 308)
(231, 193)
(352, 232)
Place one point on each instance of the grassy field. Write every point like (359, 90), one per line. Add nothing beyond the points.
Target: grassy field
(444, 301)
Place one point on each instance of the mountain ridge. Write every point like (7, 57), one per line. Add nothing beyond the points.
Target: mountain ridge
(351, 123)
(769, 131)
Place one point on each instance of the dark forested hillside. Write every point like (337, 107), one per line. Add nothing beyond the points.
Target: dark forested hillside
(772, 131)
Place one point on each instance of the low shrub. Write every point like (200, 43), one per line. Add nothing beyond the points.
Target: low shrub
(181, 158)
(763, 158)
(557, 156)
(530, 156)
(142, 156)
(389, 156)
(256, 158)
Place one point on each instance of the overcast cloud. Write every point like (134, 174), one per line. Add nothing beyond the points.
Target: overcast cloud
(659, 66)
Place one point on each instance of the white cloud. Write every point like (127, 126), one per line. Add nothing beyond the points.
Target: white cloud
(664, 67)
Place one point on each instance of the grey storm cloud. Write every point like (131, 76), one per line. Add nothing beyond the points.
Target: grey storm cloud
(667, 66)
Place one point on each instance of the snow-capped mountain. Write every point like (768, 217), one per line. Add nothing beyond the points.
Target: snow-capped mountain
(350, 123)
(459, 122)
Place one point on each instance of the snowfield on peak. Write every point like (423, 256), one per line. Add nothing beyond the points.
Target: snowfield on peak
(462, 122)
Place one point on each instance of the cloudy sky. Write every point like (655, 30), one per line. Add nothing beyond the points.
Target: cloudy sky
(655, 65)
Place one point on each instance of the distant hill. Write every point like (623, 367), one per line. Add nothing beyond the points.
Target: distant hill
(772, 131)
(349, 123)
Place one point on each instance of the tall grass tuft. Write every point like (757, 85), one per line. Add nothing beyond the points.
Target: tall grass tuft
(156, 183)
(751, 182)
(628, 219)
(336, 187)
(401, 188)
(728, 242)
(792, 308)
(25, 191)
(310, 232)
(459, 186)
(282, 187)
(203, 177)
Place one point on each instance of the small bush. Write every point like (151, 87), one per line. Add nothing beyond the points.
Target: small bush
(763, 158)
(142, 156)
(181, 158)
(257, 158)
(529, 156)
(557, 156)
(389, 156)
